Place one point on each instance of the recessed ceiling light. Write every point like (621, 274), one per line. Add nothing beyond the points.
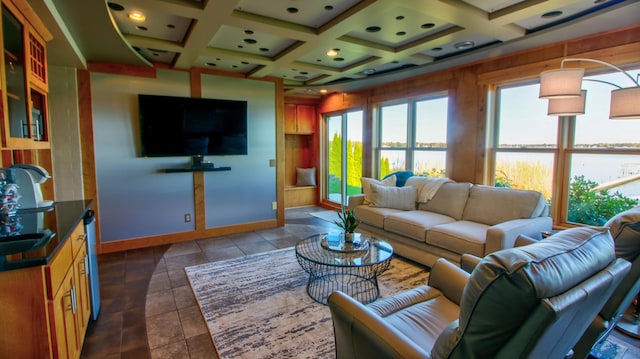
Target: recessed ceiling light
(250, 41)
(137, 16)
(427, 25)
(399, 17)
(323, 91)
(551, 14)
(401, 33)
(463, 45)
(332, 52)
(115, 6)
(436, 49)
(248, 32)
(373, 29)
(292, 10)
(142, 28)
(369, 71)
(338, 59)
(328, 7)
(264, 49)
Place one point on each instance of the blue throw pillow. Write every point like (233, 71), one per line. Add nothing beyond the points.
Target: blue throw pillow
(401, 177)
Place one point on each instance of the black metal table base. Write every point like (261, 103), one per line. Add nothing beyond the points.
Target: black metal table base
(362, 288)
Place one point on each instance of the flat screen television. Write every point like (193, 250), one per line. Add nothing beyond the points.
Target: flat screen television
(185, 126)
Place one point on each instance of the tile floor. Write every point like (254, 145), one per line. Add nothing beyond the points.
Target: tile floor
(146, 291)
(169, 312)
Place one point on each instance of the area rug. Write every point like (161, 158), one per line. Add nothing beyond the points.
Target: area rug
(329, 216)
(257, 306)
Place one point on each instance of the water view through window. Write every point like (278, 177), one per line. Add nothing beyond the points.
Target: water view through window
(599, 158)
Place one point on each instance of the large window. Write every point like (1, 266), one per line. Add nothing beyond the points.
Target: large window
(413, 136)
(343, 155)
(587, 166)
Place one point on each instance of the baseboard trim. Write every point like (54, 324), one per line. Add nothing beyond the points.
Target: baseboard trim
(152, 241)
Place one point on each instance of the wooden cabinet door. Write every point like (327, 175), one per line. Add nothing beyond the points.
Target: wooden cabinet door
(290, 118)
(82, 293)
(305, 119)
(63, 325)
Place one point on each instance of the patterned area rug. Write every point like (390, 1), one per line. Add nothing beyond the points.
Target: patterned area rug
(257, 306)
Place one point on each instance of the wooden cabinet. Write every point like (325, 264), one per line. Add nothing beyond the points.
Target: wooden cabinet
(70, 300)
(299, 119)
(24, 79)
(300, 151)
(50, 304)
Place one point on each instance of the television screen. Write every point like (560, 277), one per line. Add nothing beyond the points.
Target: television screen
(184, 126)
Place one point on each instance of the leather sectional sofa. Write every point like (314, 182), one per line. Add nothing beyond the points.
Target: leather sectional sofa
(426, 219)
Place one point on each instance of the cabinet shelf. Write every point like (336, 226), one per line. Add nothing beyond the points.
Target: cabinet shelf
(196, 169)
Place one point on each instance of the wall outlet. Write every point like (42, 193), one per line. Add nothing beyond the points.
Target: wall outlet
(187, 217)
(274, 205)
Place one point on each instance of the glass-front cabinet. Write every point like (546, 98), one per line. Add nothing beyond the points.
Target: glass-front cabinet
(24, 83)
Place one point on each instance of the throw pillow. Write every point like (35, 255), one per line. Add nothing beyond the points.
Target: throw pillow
(366, 186)
(401, 177)
(403, 198)
(306, 176)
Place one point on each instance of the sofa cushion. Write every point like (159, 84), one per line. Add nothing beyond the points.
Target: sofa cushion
(511, 283)
(374, 216)
(366, 186)
(625, 229)
(414, 224)
(393, 197)
(493, 205)
(449, 200)
(460, 237)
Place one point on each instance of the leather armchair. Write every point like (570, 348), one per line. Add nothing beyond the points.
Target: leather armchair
(625, 230)
(533, 301)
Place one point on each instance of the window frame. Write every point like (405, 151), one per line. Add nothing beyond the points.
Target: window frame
(563, 152)
(411, 149)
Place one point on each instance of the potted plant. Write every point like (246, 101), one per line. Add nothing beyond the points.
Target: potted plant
(348, 222)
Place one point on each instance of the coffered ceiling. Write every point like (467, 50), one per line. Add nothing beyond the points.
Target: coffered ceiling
(289, 39)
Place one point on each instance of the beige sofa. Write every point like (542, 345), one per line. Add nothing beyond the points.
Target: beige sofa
(454, 218)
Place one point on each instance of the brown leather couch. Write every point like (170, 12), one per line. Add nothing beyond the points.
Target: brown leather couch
(527, 302)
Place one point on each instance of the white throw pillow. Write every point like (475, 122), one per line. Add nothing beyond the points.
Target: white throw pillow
(403, 198)
(305, 176)
(366, 186)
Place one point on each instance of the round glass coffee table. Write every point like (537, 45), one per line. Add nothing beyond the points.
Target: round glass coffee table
(335, 265)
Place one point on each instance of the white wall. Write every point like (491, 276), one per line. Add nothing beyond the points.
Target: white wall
(137, 199)
(65, 134)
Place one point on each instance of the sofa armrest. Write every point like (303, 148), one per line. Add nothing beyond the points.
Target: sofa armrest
(468, 262)
(503, 235)
(360, 333)
(355, 200)
(449, 279)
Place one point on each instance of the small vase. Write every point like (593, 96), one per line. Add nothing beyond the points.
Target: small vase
(348, 237)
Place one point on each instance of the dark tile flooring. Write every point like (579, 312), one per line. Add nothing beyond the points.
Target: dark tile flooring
(148, 309)
(169, 313)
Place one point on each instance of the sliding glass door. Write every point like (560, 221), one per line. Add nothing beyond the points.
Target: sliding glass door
(343, 156)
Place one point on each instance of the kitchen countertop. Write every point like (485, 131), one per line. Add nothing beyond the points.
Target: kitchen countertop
(46, 228)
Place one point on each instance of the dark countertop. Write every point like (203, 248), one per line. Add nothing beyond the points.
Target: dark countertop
(41, 233)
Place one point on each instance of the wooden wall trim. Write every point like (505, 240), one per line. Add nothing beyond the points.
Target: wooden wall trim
(85, 117)
(120, 69)
(152, 241)
(280, 151)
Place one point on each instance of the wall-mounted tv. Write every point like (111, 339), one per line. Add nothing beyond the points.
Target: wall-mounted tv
(184, 126)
